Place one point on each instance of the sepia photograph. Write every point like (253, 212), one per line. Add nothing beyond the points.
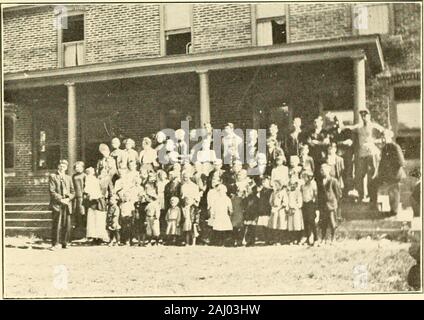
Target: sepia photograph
(211, 149)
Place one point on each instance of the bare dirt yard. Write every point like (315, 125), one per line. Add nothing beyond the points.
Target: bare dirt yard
(85, 271)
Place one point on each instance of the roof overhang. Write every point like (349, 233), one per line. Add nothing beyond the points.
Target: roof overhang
(302, 52)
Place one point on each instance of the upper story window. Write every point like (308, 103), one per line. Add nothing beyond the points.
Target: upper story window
(72, 40)
(271, 24)
(372, 18)
(177, 25)
(9, 141)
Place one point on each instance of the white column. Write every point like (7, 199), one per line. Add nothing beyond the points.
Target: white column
(359, 89)
(205, 112)
(72, 126)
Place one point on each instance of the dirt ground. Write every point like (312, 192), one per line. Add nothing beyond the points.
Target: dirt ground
(84, 271)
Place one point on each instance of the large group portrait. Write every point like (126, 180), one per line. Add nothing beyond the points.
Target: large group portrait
(211, 149)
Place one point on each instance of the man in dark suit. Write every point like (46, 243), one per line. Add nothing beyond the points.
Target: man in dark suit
(62, 193)
(329, 194)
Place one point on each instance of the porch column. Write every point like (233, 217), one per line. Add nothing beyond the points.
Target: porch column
(205, 112)
(72, 126)
(359, 91)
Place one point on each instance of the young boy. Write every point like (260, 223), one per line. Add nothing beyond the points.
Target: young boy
(309, 196)
(190, 221)
(173, 220)
(152, 218)
(112, 221)
(329, 193)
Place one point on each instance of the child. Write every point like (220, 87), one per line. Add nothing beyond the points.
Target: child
(96, 215)
(295, 167)
(280, 172)
(221, 210)
(112, 221)
(173, 219)
(237, 201)
(162, 181)
(152, 218)
(263, 193)
(79, 210)
(148, 156)
(190, 220)
(309, 207)
(329, 193)
(294, 211)
(139, 219)
(129, 153)
(337, 170)
(250, 218)
(278, 219)
(306, 161)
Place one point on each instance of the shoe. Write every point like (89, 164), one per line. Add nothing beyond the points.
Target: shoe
(64, 246)
(55, 247)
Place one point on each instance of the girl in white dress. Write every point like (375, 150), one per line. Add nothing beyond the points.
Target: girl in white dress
(221, 209)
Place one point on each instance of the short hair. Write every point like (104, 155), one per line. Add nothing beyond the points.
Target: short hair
(130, 142)
(325, 166)
(116, 139)
(229, 124)
(103, 147)
(63, 161)
(81, 163)
(147, 140)
(175, 199)
(89, 171)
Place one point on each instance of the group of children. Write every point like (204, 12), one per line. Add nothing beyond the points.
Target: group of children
(141, 202)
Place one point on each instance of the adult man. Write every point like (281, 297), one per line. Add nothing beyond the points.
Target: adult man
(318, 142)
(62, 193)
(390, 170)
(231, 143)
(367, 156)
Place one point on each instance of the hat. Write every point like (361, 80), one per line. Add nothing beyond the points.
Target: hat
(363, 110)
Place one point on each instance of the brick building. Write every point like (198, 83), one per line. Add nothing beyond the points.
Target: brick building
(77, 75)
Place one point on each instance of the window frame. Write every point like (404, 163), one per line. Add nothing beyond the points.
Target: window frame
(255, 19)
(13, 117)
(61, 45)
(163, 32)
(36, 114)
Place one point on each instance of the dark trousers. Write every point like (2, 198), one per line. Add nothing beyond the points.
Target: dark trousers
(220, 237)
(250, 234)
(366, 166)
(238, 233)
(61, 226)
(309, 215)
(393, 191)
(348, 172)
(328, 220)
(126, 229)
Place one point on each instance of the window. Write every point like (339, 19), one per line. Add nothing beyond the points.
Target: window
(177, 25)
(9, 141)
(408, 115)
(372, 19)
(47, 140)
(72, 40)
(271, 24)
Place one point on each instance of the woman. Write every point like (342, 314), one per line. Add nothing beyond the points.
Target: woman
(106, 170)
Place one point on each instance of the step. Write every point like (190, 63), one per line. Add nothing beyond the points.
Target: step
(28, 223)
(27, 207)
(27, 215)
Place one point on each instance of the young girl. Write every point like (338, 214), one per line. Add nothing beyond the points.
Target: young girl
(190, 219)
(221, 210)
(173, 219)
(309, 208)
(237, 201)
(278, 218)
(96, 215)
(294, 211)
(112, 221)
(148, 156)
(280, 173)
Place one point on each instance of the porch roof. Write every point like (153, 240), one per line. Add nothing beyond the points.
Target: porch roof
(301, 52)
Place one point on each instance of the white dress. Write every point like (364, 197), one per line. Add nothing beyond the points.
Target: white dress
(220, 212)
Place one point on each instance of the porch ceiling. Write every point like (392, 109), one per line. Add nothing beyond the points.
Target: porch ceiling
(318, 50)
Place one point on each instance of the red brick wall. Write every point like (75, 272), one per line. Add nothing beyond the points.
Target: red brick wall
(311, 21)
(29, 40)
(221, 26)
(119, 32)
